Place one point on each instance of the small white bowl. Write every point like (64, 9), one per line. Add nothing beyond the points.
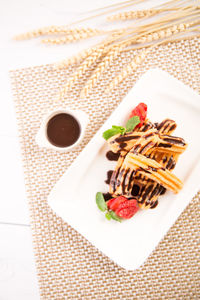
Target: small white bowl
(42, 139)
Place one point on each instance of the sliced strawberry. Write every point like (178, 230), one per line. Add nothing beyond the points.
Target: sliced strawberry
(127, 209)
(141, 111)
(109, 202)
(114, 203)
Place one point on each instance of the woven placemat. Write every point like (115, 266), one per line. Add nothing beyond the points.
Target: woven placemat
(68, 266)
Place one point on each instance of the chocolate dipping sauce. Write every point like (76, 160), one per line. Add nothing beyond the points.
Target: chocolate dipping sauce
(63, 130)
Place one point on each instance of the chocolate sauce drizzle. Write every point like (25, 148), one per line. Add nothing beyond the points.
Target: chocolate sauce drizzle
(109, 175)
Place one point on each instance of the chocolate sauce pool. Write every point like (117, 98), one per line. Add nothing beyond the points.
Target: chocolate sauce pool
(112, 156)
(107, 196)
(63, 130)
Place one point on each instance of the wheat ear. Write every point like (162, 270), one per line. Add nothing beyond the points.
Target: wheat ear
(51, 30)
(89, 61)
(44, 31)
(129, 69)
(35, 33)
(73, 37)
(106, 61)
(74, 59)
(85, 53)
(160, 34)
(115, 50)
(137, 14)
(95, 54)
(129, 15)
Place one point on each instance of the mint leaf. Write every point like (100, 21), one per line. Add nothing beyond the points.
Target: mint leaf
(108, 216)
(100, 201)
(121, 129)
(113, 131)
(114, 216)
(109, 133)
(132, 123)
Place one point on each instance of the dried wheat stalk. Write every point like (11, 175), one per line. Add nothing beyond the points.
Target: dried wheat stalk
(58, 29)
(137, 14)
(89, 61)
(73, 37)
(173, 40)
(128, 69)
(176, 29)
(114, 7)
(161, 23)
(106, 61)
(74, 59)
(96, 53)
(52, 30)
(35, 33)
(85, 53)
(129, 15)
(112, 53)
(164, 33)
(139, 58)
(44, 31)
(168, 26)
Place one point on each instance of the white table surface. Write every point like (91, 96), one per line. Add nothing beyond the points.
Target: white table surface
(17, 269)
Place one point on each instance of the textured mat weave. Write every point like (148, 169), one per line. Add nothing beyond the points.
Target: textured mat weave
(68, 266)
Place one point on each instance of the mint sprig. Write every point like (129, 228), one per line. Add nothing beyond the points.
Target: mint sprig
(114, 216)
(108, 216)
(113, 131)
(101, 203)
(130, 125)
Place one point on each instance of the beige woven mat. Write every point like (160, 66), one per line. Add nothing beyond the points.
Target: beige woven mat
(68, 266)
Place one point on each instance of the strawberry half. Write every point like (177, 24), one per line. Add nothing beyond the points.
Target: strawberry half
(141, 111)
(127, 209)
(114, 203)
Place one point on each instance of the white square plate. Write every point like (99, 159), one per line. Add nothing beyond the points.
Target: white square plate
(73, 198)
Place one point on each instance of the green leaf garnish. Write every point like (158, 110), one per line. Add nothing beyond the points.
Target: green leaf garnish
(114, 216)
(100, 201)
(132, 123)
(108, 216)
(113, 131)
(121, 129)
(109, 133)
